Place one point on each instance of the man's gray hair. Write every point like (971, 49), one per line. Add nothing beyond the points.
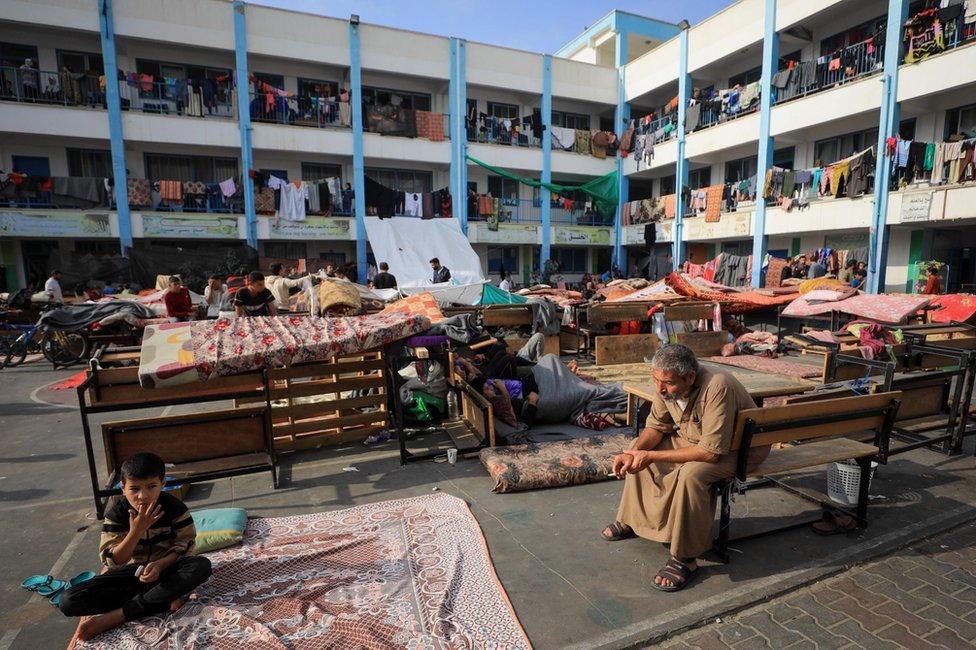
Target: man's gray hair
(675, 358)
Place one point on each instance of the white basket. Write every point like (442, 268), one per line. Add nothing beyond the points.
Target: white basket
(843, 479)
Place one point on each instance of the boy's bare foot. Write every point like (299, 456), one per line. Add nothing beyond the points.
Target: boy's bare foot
(77, 635)
(95, 625)
(176, 604)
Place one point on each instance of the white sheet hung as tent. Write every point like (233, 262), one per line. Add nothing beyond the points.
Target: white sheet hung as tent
(407, 244)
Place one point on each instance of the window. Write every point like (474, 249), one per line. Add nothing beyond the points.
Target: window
(207, 169)
(961, 121)
(80, 62)
(503, 111)
(90, 163)
(317, 88)
(505, 257)
(745, 78)
(571, 120)
(745, 168)
(276, 80)
(32, 165)
(402, 180)
(503, 188)
(160, 70)
(316, 171)
(697, 179)
(839, 147)
(571, 260)
(606, 124)
(289, 250)
(373, 96)
(666, 185)
(852, 36)
(13, 55)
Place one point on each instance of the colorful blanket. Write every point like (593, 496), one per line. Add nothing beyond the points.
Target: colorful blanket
(883, 308)
(180, 353)
(772, 366)
(732, 303)
(410, 573)
(959, 307)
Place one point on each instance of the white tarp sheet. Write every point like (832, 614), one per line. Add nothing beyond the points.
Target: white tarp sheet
(407, 245)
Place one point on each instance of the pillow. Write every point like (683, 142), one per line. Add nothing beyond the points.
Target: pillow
(421, 304)
(218, 528)
(825, 295)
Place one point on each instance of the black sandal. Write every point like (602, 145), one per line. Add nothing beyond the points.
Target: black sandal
(832, 524)
(619, 531)
(678, 573)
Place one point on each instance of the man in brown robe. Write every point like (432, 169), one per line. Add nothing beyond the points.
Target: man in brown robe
(684, 449)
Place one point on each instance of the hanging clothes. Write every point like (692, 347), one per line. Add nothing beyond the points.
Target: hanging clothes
(293, 197)
(413, 204)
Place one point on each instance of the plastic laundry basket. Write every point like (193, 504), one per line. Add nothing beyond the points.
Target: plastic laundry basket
(843, 479)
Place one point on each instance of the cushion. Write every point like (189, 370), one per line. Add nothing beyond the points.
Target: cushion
(421, 304)
(553, 464)
(218, 528)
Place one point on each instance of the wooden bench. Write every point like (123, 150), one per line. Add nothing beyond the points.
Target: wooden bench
(201, 446)
(705, 343)
(817, 435)
(620, 348)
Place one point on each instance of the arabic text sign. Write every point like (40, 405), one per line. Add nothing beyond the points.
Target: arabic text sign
(509, 233)
(312, 228)
(582, 235)
(68, 224)
(915, 206)
(190, 227)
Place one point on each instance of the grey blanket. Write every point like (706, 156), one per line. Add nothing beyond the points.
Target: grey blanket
(76, 317)
(563, 395)
(544, 318)
(457, 328)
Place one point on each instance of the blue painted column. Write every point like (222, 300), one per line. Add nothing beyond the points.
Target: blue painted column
(621, 115)
(111, 67)
(681, 165)
(358, 163)
(888, 122)
(458, 107)
(770, 65)
(244, 120)
(545, 208)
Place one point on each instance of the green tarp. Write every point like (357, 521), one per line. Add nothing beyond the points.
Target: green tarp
(603, 190)
(492, 295)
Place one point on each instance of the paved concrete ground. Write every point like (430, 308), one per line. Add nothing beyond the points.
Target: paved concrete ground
(569, 588)
(923, 596)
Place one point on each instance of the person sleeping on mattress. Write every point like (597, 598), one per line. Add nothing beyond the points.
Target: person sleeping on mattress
(550, 391)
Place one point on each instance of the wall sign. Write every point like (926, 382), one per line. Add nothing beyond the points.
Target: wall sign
(65, 224)
(915, 207)
(186, 227)
(312, 228)
(582, 235)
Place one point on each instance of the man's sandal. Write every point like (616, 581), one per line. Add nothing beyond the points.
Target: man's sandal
(46, 586)
(834, 524)
(677, 573)
(618, 531)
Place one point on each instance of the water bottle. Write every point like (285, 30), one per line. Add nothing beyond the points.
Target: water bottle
(452, 405)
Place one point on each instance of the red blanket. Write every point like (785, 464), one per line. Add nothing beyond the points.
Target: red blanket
(732, 303)
(954, 307)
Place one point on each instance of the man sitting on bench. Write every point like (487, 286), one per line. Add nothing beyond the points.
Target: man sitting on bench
(681, 453)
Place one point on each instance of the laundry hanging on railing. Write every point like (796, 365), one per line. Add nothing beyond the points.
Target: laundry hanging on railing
(943, 162)
(850, 177)
(385, 202)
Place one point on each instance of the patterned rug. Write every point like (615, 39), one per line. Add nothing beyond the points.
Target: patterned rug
(765, 364)
(732, 303)
(410, 573)
(954, 307)
(881, 308)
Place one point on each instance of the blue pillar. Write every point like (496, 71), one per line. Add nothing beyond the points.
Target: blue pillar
(681, 165)
(888, 122)
(107, 30)
(358, 164)
(770, 65)
(458, 107)
(244, 120)
(621, 115)
(544, 194)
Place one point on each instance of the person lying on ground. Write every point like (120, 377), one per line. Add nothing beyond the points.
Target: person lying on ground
(683, 451)
(147, 538)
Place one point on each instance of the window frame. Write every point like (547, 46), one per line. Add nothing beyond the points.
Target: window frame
(502, 107)
(374, 91)
(81, 152)
(148, 155)
(399, 177)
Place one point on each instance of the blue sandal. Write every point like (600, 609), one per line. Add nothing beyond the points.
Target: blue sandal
(84, 576)
(46, 586)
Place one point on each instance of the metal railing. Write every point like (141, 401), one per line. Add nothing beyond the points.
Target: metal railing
(318, 112)
(176, 97)
(387, 120)
(50, 87)
(494, 131)
(529, 211)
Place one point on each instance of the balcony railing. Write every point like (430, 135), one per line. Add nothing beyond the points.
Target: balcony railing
(387, 120)
(318, 112)
(529, 211)
(494, 131)
(50, 87)
(850, 64)
(177, 97)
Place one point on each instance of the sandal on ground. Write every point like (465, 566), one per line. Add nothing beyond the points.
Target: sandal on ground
(84, 576)
(46, 586)
(831, 524)
(618, 532)
(679, 574)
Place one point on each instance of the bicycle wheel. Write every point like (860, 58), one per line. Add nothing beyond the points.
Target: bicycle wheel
(17, 353)
(64, 348)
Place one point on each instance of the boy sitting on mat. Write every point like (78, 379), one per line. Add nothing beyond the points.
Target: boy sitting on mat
(146, 540)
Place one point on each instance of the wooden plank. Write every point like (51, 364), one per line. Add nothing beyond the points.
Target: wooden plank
(475, 409)
(609, 312)
(461, 434)
(330, 423)
(689, 311)
(213, 388)
(704, 344)
(310, 388)
(195, 468)
(303, 411)
(570, 341)
(507, 316)
(315, 441)
(108, 376)
(919, 400)
(550, 345)
(792, 412)
(327, 369)
(624, 348)
(812, 454)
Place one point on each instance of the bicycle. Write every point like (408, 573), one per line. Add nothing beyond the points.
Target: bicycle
(59, 347)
